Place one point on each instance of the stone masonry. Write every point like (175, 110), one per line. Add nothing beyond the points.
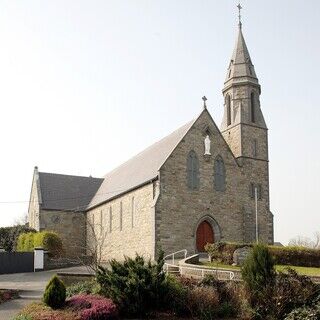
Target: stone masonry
(147, 203)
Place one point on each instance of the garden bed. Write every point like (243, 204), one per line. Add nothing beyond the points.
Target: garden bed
(6, 295)
(39, 311)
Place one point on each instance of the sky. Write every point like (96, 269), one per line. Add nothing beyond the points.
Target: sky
(85, 85)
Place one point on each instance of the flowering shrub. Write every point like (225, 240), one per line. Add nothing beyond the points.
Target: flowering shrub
(6, 295)
(93, 307)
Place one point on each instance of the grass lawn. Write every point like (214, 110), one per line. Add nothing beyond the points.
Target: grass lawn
(301, 270)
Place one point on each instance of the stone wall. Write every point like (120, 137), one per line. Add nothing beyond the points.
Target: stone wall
(180, 210)
(71, 228)
(127, 235)
(231, 212)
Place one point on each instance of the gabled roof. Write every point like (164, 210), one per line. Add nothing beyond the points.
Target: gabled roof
(139, 170)
(65, 192)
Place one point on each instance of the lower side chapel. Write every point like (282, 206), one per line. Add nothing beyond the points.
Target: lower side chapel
(198, 185)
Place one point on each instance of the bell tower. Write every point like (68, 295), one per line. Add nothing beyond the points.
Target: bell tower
(246, 133)
(243, 124)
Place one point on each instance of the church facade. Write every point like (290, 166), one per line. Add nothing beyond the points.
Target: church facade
(199, 185)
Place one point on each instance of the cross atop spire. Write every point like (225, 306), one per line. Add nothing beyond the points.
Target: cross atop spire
(204, 98)
(239, 16)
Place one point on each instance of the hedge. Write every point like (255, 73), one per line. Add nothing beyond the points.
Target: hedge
(295, 256)
(48, 240)
(9, 236)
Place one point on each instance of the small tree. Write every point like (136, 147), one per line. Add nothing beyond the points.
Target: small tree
(91, 250)
(55, 293)
(258, 269)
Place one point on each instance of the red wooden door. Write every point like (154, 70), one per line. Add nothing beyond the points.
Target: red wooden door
(204, 235)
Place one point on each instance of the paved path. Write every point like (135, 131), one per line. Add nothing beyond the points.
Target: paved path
(31, 287)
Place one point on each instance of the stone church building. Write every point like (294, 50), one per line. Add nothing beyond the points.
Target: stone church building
(198, 185)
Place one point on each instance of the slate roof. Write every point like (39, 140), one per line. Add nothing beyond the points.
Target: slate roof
(142, 168)
(65, 192)
(241, 63)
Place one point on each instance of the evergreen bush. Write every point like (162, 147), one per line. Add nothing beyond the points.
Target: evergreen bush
(175, 297)
(136, 286)
(55, 293)
(258, 269)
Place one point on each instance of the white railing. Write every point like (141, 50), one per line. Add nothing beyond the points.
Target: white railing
(172, 256)
(170, 262)
(201, 272)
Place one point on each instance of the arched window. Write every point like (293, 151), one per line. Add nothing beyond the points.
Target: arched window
(253, 111)
(219, 174)
(228, 103)
(192, 171)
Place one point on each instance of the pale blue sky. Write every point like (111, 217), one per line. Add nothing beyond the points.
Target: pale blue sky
(87, 84)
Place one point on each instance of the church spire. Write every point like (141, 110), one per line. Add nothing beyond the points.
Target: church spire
(241, 68)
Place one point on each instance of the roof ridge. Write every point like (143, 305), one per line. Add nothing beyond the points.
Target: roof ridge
(69, 175)
(149, 147)
(139, 169)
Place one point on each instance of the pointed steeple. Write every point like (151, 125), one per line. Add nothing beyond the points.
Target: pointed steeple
(240, 70)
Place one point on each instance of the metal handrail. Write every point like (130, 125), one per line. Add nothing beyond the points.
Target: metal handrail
(185, 251)
(206, 270)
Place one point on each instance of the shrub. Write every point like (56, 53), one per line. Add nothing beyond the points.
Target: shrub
(28, 241)
(48, 240)
(7, 294)
(294, 255)
(258, 269)
(83, 287)
(223, 251)
(55, 293)
(203, 302)
(175, 296)
(9, 236)
(93, 307)
(226, 292)
(290, 291)
(307, 312)
(135, 285)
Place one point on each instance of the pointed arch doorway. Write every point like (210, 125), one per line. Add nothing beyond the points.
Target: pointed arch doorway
(204, 235)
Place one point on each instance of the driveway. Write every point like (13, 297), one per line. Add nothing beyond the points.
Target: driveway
(31, 287)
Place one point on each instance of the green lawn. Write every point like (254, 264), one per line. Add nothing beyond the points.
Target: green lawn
(301, 270)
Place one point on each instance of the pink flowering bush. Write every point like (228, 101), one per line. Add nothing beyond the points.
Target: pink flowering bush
(93, 307)
(6, 295)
